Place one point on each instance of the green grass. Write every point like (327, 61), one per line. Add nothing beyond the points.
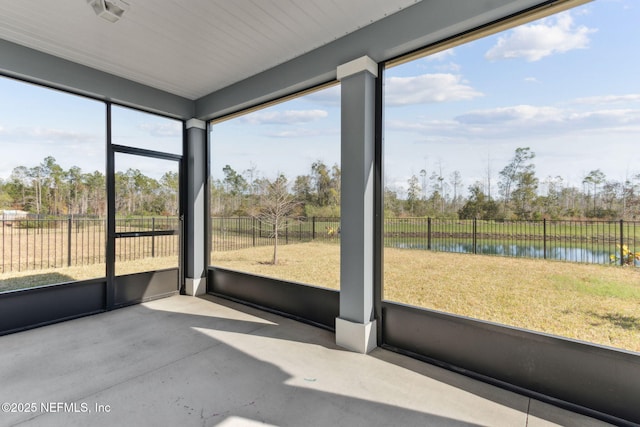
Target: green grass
(596, 286)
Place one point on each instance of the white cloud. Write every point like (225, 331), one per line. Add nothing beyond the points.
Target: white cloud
(169, 129)
(441, 128)
(440, 56)
(609, 120)
(450, 67)
(557, 34)
(329, 97)
(522, 122)
(582, 11)
(531, 80)
(426, 89)
(288, 117)
(53, 134)
(518, 113)
(46, 137)
(303, 133)
(608, 99)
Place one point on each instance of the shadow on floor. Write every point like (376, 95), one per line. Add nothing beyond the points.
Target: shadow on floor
(179, 361)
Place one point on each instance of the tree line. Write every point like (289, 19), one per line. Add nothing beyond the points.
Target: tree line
(521, 194)
(524, 196)
(49, 189)
(241, 193)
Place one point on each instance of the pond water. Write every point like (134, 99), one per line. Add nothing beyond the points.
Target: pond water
(573, 254)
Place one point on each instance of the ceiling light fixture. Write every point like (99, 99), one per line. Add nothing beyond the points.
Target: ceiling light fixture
(110, 10)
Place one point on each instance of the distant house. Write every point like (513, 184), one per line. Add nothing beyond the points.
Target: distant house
(10, 215)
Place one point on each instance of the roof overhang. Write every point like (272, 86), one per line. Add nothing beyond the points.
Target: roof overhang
(211, 59)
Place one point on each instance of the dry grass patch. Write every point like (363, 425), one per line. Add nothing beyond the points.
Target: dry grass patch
(28, 279)
(309, 263)
(593, 303)
(599, 304)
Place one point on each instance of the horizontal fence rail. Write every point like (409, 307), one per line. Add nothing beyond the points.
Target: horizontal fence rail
(37, 244)
(594, 242)
(147, 237)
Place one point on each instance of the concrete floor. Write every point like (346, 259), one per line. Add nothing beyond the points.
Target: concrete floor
(185, 361)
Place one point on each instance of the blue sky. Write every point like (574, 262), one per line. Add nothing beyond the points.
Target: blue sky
(72, 129)
(286, 138)
(566, 86)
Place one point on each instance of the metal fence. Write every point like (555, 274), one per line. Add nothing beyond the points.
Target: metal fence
(163, 241)
(597, 242)
(36, 244)
(232, 233)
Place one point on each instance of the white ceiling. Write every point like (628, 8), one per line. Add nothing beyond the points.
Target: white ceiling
(187, 47)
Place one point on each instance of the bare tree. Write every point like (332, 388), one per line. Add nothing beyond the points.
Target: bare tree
(276, 206)
(456, 182)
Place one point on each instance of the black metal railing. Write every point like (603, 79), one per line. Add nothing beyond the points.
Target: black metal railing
(232, 233)
(36, 243)
(597, 242)
(147, 237)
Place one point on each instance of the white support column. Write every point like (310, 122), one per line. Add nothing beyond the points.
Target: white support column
(195, 265)
(356, 328)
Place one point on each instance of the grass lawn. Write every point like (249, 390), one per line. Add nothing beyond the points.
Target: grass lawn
(594, 303)
(30, 278)
(599, 304)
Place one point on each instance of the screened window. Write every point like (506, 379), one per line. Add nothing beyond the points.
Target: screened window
(512, 176)
(134, 128)
(52, 186)
(275, 190)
